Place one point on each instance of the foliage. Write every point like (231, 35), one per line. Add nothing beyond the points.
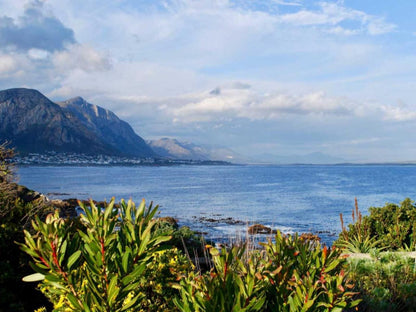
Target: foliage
(181, 237)
(289, 274)
(159, 276)
(391, 227)
(301, 276)
(386, 283)
(98, 267)
(231, 285)
(356, 243)
(15, 210)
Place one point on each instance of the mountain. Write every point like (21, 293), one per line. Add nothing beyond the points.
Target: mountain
(33, 123)
(174, 149)
(108, 127)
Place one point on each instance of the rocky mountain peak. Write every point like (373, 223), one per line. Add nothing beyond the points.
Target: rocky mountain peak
(33, 123)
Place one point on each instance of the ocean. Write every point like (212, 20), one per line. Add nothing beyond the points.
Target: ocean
(221, 201)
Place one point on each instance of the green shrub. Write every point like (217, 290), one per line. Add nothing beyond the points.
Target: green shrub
(231, 285)
(386, 282)
(101, 266)
(300, 275)
(289, 274)
(391, 227)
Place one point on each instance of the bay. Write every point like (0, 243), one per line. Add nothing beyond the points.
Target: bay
(298, 198)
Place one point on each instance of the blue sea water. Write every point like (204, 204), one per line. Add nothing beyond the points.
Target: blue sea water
(299, 198)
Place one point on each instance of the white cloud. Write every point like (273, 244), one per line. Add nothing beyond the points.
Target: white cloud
(288, 3)
(80, 57)
(38, 54)
(398, 113)
(229, 103)
(332, 14)
(338, 30)
(7, 64)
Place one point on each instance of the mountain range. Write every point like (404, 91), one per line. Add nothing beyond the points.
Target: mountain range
(175, 149)
(33, 123)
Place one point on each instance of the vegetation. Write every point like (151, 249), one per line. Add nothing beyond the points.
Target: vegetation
(122, 258)
(17, 205)
(387, 281)
(392, 227)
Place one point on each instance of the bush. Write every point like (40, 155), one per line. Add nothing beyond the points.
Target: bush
(391, 227)
(386, 282)
(300, 275)
(231, 285)
(101, 266)
(289, 274)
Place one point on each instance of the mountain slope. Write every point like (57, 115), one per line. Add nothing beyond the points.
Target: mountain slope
(108, 127)
(33, 123)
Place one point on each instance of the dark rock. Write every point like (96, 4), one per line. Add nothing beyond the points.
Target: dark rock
(310, 237)
(227, 220)
(259, 229)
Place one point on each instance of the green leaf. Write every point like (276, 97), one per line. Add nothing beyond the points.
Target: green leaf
(332, 266)
(73, 258)
(74, 302)
(113, 290)
(133, 301)
(125, 260)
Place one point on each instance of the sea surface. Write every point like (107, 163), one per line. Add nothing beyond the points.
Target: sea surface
(209, 199)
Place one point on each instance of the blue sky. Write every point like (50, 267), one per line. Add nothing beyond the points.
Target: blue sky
(279, 77)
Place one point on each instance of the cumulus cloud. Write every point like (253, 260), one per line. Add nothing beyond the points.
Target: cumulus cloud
(34, 30)
(230, 103)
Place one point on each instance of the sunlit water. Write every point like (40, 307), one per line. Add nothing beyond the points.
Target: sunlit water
(290, 198)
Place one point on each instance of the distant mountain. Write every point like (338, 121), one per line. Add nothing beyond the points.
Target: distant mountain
(311, 158)
(33, 123)
(174, 149)
(108, 127)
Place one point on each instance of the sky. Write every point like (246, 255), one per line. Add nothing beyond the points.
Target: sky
(280, 77)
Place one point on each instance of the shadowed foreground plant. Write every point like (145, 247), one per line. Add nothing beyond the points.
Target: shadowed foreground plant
(98, 266)
(300, 275)
(289, 274)
(231, 285)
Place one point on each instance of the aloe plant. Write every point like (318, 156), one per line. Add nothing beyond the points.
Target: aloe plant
(96, 266)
